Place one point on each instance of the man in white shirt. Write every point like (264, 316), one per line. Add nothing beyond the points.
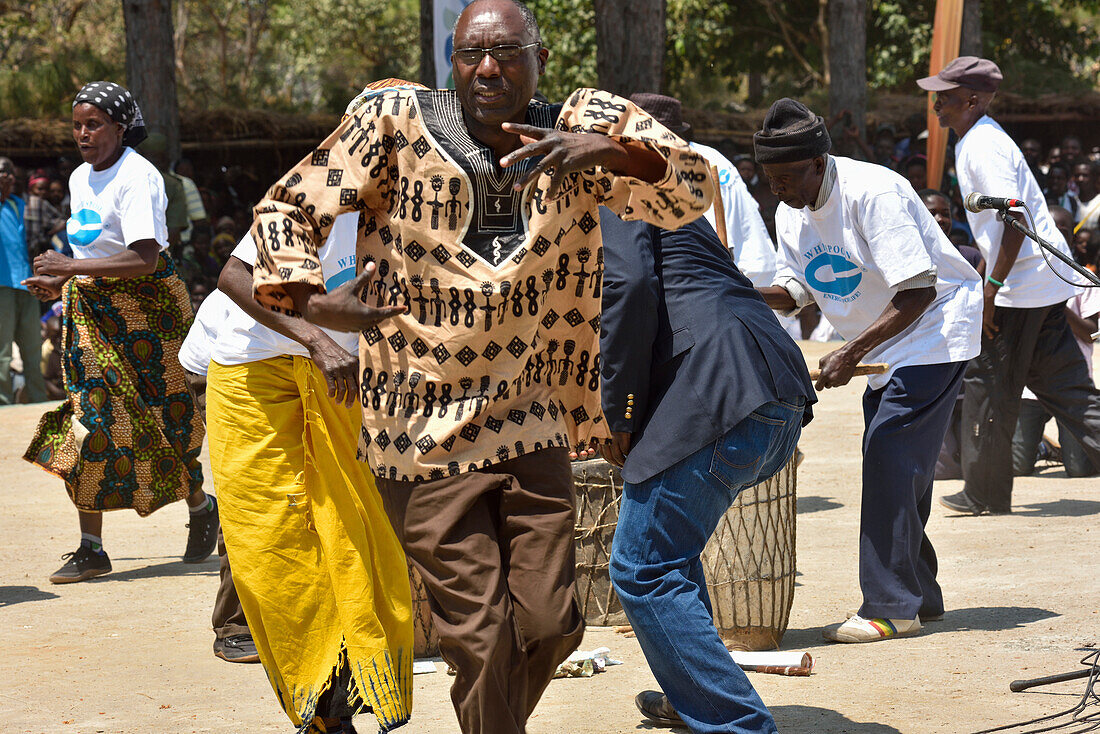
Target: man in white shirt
(856, 239)
(746, 236)
(1026, 338)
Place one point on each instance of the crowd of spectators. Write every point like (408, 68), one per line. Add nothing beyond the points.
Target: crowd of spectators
(208, 213)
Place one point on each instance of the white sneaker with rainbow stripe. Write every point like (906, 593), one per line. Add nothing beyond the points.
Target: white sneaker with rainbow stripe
(858, 629)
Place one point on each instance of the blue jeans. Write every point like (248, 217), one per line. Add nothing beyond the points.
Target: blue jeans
(664, 524)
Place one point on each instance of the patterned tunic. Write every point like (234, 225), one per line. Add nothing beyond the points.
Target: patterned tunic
(498, 352)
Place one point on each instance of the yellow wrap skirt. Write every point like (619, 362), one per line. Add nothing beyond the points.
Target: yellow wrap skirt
(319, 571)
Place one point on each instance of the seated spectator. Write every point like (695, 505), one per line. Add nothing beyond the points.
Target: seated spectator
(225, 239)
(199, 290)
(1057, 190)
(1072, 151)
(939, 206)
(41, 219)
(1033, 154)
(1086, 248)
(1083, 314)
(1087, 177)
(57, 195)
(883, 147)
(915, 124)
(915, 170)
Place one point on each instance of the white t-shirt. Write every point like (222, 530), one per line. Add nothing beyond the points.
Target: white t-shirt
(200, 339)
(988, 162)
(242, 339)
(750, 244)
(1089, 213)
(873, 234)
(115, 208)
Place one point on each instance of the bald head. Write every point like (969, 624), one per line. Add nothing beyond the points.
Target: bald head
(530, 25)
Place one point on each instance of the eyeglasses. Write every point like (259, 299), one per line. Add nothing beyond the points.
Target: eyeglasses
(505, 52)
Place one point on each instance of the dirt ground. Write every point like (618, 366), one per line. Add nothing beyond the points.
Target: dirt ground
(131, 652)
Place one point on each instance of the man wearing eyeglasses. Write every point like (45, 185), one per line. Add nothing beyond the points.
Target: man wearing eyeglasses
(479, 355)
(18, 308)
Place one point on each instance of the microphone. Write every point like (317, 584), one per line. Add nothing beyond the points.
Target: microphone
(975, 202)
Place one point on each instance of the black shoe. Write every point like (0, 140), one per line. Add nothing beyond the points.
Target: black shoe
(236, 649)
(960, 502)
(654, 706)
(81, 565)
(202, 534)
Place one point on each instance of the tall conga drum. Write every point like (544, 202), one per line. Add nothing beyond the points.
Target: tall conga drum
(425, 638)
(599, 490)
(749, 562)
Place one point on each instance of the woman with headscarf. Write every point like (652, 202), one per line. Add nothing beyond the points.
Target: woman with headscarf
(128, 435)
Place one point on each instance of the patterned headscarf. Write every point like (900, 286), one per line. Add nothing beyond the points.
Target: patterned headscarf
(119, 104)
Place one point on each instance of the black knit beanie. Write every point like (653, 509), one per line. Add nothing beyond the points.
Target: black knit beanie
(791, 133)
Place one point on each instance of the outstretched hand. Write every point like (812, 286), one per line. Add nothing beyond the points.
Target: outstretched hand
(562, 153)
(342, 309)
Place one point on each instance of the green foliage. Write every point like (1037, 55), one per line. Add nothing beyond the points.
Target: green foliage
(313, 56)
(569, 32)
(48, 50)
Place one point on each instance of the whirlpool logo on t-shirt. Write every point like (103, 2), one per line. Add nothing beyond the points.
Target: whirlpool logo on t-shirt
(831, 271)
(345, 273)
(84, 227)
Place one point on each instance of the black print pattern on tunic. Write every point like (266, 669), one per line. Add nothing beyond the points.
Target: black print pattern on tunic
(497, 229)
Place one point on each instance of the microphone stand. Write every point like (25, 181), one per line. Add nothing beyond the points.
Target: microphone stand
(1023, 229)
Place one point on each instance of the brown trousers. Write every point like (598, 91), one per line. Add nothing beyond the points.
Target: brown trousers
(495, 550)
(228, 618)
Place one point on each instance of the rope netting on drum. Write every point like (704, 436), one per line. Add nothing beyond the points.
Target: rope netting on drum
(599, 491)
(749, 562)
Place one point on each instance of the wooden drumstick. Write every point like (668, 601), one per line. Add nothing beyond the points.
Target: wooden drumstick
(875, 368)
(719, 208)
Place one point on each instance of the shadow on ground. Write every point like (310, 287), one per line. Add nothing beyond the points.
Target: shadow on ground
(984, 619)
(806, 505)
(11, 595)
(814, 719)
(157, 570)
(1059, 508)
(802, 719)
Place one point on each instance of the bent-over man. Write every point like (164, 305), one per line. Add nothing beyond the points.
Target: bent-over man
(706, 395)
(856, 239)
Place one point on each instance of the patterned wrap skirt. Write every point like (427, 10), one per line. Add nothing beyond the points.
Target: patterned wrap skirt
(128, 434)
(320, 573)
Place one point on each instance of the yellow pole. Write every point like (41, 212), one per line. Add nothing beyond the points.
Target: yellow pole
(945, 48)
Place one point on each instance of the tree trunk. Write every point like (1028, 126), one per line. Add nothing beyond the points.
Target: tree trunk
(151, 66)
(847, 50)
(427, 44)
(970, 42)
(630, 45)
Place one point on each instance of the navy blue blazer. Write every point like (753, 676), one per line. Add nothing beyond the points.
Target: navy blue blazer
(688, 347)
